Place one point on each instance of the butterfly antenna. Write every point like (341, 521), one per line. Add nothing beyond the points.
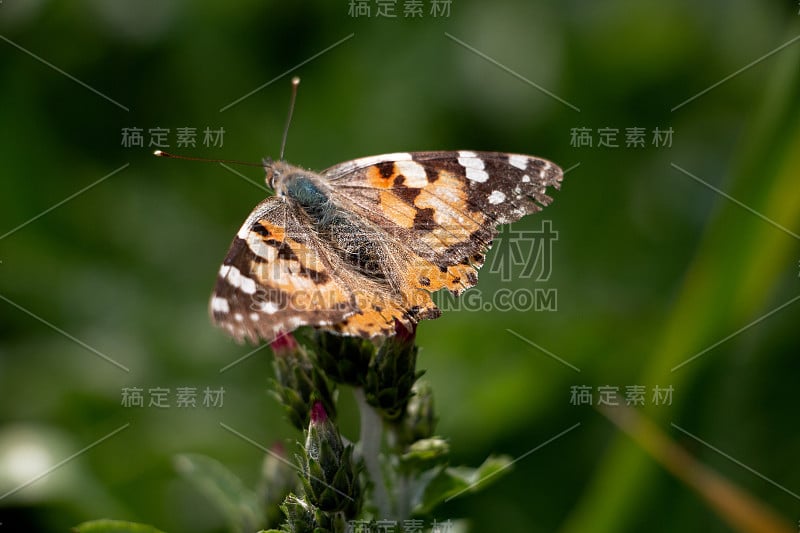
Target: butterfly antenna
(295, 83)
(161, 153)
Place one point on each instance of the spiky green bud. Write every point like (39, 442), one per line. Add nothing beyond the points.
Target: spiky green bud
(298, 382)
(343, 359)
(330, 475)
(392, 373)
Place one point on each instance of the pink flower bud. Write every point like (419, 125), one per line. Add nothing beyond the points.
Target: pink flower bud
(318, 414)
(283, 344)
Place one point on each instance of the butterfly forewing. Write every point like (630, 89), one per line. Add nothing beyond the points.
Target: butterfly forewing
(445, 205)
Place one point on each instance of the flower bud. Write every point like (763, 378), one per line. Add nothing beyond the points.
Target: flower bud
(283, 344)
(298, 382)
(392, 373)
(299, 515)
(343, 359)
(420, 420)
(330, 475)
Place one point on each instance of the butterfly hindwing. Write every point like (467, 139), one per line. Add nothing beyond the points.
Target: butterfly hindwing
(277, 277)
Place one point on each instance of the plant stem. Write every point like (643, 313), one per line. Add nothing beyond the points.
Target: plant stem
(370, 437)
(402, 498)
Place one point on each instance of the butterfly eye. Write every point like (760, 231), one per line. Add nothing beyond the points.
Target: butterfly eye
(271, 174)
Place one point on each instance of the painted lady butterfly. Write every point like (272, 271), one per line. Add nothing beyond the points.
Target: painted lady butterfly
(366, 242)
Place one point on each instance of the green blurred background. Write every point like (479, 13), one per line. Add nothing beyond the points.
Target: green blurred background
(651, 266)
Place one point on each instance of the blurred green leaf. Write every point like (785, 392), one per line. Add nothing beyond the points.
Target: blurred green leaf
(733, 279)
(114, 526)
(451, 482)
(424, 454)
(238, 503)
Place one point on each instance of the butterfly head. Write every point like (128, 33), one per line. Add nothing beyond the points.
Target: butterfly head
(269, 169)
(276, 176)
(293, 182)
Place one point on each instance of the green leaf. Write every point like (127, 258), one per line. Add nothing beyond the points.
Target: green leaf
(236, 502)
(439, 485)
(425, 454)
(114, 526)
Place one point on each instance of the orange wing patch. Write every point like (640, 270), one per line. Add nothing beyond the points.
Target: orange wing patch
(396, 210)
(445, 202)
(290, 265)
(455, 278)
(381, 176)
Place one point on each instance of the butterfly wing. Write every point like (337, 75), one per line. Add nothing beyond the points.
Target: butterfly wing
(277, 276)
(444, 207)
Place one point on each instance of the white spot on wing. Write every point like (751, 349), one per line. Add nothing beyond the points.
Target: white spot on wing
(519, 161)
(473, 165)
(478, 175)
(497, 197)
(248, 286)
(470, 162)
(219, 305)
(371, 160)
(269, 307)
(413, 172)
(526, 179)
(254, 317)
(238, 317)
(237, 280)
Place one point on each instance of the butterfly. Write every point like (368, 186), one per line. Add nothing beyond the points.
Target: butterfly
(363, 245)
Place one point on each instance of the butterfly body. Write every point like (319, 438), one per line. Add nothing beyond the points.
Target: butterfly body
(364, 244)
(351, 238)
